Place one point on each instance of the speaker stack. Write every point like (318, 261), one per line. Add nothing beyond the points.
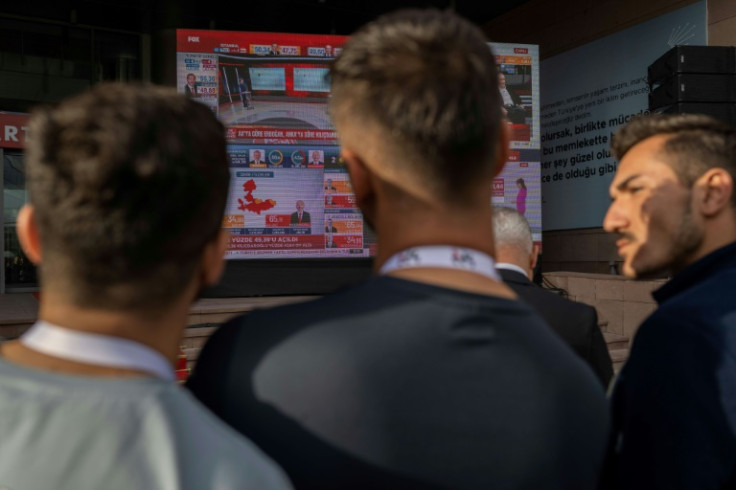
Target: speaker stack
(695, 79)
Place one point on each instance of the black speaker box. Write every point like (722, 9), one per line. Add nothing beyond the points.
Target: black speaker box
(694, 88)
(725, 112)
(693, 59)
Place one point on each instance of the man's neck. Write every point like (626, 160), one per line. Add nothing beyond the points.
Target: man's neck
(398, 231)
(719, 232)
(161, 332)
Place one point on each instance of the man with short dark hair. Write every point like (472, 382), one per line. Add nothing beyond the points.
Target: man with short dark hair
(674, 210)
(429, 375)
(576, 323)
(127, 190)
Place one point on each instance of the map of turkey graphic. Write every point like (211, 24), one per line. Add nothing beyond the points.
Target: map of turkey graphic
(253, 204)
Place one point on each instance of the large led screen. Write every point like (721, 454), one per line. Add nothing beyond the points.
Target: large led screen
(519, 185)
(290, 195)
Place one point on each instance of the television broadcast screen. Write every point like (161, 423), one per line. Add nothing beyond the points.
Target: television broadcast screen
(290, 196)
(519, 186)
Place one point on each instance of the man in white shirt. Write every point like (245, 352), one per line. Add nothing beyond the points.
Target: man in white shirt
(127, 188)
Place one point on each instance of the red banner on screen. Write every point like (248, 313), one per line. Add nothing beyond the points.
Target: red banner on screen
(339, 201)
(278, 220)
(348, 241)
(498, 187)
(276, 242)
(259, 43)
(240, 132)
(13, 130)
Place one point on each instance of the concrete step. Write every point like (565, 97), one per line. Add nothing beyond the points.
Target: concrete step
(616, 341)
(619, 357)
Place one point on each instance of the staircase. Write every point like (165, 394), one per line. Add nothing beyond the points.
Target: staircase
(618, 348)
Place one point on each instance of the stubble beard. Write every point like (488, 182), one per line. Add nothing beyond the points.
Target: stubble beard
(685, 242)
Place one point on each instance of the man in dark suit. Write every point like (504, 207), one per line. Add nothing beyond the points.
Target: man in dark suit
(301, 217)
(576, 323)
(190, 89)
(329, 227)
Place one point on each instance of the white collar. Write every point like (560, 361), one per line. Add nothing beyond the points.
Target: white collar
(444, 256)
(92, 348)
(511, 267)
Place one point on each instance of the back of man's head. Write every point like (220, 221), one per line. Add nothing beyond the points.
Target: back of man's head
(423, 84)
(128, 184)
(513, 237)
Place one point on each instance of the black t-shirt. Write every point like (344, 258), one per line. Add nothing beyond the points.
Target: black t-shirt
(398, 384)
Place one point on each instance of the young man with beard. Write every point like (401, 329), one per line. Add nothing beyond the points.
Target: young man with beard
(674, 209)
(431, 374)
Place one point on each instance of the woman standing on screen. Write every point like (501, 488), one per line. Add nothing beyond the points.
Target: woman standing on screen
(521, 196)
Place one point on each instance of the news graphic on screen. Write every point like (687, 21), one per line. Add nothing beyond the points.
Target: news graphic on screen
(518, 78)
(519, 184)
(290, 196)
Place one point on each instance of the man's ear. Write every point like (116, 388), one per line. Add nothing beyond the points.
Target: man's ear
(502, 153)
(534, 258)
(213, 258)
(716, 191)
(27, 230)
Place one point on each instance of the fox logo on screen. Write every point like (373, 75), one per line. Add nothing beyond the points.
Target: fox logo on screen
(193, 39)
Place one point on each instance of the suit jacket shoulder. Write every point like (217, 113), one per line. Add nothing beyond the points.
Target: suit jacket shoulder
(576, 323)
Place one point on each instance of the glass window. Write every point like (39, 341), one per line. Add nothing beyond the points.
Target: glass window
(19, 271)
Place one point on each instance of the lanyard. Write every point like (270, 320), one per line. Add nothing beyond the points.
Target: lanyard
(91, 348)
(444, 256)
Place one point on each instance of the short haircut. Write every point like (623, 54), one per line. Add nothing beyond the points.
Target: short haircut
(696, 143)
(129, 182)
(510, 228)
(428, 80)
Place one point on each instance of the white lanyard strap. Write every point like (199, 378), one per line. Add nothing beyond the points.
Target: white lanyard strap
(101, 350)
(444, 256)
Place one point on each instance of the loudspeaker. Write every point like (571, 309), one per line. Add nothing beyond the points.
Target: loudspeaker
(694, 88)
(692, 59)
(725, 112)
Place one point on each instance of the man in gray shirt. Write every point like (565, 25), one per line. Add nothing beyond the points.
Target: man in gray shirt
(127, 190)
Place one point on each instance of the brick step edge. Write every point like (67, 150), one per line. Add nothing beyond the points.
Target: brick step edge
(616, 341)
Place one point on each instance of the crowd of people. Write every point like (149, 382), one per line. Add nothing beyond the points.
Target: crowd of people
(447, 369)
